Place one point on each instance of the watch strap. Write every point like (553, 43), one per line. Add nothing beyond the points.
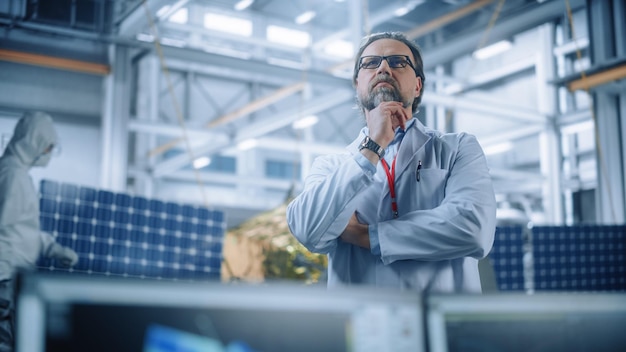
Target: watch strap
(368, 143)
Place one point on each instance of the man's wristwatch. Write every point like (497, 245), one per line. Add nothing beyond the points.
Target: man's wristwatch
(368, 143)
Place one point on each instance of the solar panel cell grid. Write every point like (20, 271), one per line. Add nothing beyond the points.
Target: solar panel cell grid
(582, 258)
(507, 258)
(119, 234)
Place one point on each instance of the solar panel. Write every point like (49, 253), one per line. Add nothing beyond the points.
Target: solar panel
(583, 258)
(507, 258)
(124, 235)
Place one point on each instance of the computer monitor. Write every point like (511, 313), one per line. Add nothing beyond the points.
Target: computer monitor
(87, 313)
(512, 322)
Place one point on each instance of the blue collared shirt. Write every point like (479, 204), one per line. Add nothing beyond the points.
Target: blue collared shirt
(390, 154)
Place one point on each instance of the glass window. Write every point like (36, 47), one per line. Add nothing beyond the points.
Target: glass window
(220, 163)
(285, 170)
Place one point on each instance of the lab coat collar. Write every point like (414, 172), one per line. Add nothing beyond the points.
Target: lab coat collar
(414, 140)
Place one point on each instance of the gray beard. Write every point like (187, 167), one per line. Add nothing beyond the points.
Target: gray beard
(379, 95)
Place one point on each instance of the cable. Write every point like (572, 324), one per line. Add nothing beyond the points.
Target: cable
(481, 44)
(179, 115)
(180, 118)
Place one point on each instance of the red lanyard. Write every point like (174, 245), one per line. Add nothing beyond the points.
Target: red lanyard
(391, 175)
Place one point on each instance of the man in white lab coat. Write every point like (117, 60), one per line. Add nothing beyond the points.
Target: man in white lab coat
(405, 206)
(21, 240)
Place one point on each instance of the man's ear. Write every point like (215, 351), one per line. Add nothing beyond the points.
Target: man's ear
(418, 86)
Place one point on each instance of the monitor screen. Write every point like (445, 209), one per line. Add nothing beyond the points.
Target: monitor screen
(520, 322)
(86, 313)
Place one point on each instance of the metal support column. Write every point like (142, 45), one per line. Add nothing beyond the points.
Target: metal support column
(148, 91)
(115, 118)
(356, 22)
(604, 33)
(550, 145)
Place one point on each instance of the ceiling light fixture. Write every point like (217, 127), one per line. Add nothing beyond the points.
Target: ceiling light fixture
(339, 48)
(180, 16)
(162, 11)
(305, 17)
(173, 42)
(247, 144)
(492, 50)
(305, 122)
(408, 7)
(401, 11)
(243, 4)
(288, 36)
(228, 24)
(201, 162)
(145, 37)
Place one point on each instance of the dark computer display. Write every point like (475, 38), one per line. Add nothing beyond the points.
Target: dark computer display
(556, 322)
(75, 313)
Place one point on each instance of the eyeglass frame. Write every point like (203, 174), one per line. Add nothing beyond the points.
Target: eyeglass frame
(408, 61)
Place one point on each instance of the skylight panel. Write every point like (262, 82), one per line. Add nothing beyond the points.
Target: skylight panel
(228, 24)
(340, 48)
(287, 36)
(181, 16)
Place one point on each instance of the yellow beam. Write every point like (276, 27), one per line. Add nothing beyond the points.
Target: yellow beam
(446, 19)
(54, 62)
(258, 104)
(597, 79)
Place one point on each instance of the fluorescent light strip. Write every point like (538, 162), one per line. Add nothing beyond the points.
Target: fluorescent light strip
(492, 50)
(305, 122)
(305, 17)
(288, 36)
(243, 4)
(201, 162)
(247, 144)
(228, 24)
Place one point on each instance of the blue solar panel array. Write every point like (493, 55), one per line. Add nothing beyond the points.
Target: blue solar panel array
(580, 258)
(123, 235)
(506, 257)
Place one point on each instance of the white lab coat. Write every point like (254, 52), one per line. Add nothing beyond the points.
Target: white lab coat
(446, 220)
(21, 241)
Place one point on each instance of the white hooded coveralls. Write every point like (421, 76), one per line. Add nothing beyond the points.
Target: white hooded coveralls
(21, 240)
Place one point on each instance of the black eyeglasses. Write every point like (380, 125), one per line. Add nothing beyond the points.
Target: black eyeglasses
(394, 61)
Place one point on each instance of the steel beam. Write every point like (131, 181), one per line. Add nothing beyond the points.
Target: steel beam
(258, 129)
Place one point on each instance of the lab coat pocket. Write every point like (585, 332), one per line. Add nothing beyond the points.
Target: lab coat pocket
(431, 187)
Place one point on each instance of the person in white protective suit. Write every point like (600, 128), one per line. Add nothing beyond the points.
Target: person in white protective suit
(21, 240)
